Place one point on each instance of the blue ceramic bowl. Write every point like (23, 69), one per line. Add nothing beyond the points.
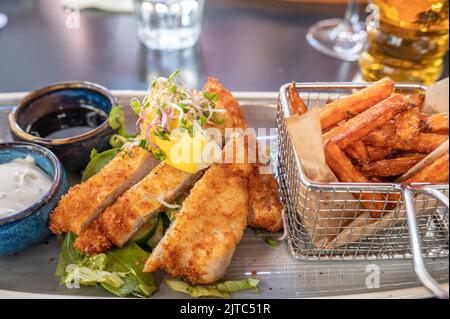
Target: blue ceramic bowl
(72, 151)
(30, 226)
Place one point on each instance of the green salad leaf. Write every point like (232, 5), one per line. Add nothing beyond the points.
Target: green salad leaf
(93, 154)
(97, 162)
(171, 213)
(221, 290)
(195, 291)
(157, 234)
(135, 105)
(132, 258)
(116, 121)
(119, 270)
(260, 233)
(90, 277)
(67, 255)
(117, 141)
(237, 285)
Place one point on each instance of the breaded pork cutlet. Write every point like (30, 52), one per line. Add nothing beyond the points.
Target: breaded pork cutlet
(134, 208)
(85, 202)
(233, 117)
(120, 221)
(265, 206)
(137, 205)
(199, 244)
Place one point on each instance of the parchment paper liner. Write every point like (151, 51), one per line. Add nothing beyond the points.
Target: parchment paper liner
(323, 217)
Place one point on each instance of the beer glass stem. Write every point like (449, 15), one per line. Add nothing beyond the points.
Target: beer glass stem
(352, 13)
(343, 39)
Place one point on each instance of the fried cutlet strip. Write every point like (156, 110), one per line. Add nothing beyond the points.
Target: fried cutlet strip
(135, 207)
(84, 202)
(93, 240)
(233, 117)
(345, 171)
(141, 203)
(437, 172)
(296, 103)
(101, 235)
(199, 244)
(421, 143)
(364, 123)
(346, 107)
(437, 123)
(266, 214)
(392, 167)
(265, 206)
(358, 152)
(408, 124)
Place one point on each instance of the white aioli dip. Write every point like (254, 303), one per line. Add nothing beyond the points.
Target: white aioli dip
(22, 183)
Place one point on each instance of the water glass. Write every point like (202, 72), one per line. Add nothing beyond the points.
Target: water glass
(169, 24)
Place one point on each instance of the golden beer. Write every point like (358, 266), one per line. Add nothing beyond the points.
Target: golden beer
(409, 42)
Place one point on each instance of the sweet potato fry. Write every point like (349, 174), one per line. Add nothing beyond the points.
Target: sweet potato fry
(391, 167)
(422, 143)
(345, 171)
(408, 124)
(339, 110)
(296, 103)
(358, 152)
(418, 100)
(434, 173)
(378, 153)
(437, 123)
(364, 123)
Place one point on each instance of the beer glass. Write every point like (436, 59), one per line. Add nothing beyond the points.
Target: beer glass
(407, 40)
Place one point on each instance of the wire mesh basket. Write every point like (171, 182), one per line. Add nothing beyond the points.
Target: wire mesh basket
(333, 221)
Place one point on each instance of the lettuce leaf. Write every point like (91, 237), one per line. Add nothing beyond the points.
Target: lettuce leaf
(157, 235)
(67, 255)
(221, 290)
(97, 162)
(195, 291)
(91, 277)
(238, 285)
(117, 141)
(116, 121)
(119, 270)
(132, 258)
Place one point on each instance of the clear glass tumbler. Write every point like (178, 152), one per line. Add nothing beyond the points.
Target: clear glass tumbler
(169, 24)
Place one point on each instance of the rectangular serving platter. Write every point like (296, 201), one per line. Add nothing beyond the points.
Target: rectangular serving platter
(30, 274)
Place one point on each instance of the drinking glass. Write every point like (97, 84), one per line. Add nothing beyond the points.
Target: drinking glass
(343, 39)
(169, 24)
(408, 41)
(3, 20)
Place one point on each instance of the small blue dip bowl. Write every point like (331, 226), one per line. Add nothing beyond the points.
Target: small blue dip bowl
(28, 227)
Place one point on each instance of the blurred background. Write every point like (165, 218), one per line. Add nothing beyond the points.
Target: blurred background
(247, 44)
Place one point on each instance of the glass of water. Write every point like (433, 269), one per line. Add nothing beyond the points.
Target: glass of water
(169, 24)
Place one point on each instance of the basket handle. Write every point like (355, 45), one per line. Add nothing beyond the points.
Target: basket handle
(418, 263)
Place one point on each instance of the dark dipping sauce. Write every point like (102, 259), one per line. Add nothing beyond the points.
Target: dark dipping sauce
(66, 123)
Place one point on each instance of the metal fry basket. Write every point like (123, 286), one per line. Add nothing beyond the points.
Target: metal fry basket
(332, 221)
